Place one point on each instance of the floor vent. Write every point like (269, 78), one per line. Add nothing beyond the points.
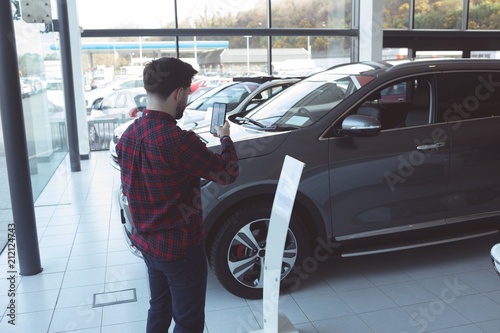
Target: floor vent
(114, 297)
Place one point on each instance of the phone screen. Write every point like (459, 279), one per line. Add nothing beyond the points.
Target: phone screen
(218, 116)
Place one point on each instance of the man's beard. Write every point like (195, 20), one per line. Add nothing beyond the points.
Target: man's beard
(179, 110)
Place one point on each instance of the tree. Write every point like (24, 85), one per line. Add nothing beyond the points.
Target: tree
(484, 14)
(429, 14)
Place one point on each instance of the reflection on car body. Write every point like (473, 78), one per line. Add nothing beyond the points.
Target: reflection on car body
(381, 174)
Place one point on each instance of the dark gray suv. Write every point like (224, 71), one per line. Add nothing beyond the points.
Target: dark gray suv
(397, 156)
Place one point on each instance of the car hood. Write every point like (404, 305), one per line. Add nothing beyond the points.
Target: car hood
(249, 143)
(192, 118)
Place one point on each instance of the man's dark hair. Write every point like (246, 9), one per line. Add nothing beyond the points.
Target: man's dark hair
(162, 76)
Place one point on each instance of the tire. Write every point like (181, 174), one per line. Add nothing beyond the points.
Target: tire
(229, 256)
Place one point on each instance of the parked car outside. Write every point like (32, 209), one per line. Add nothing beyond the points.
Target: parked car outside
(116, 108)
(25, 88)
(207, 81)
(251, 92)
(198, 93)
(36, 84)
(98, 81)
(378, 176)
(95, 96)
(55, 95)
(241, 95)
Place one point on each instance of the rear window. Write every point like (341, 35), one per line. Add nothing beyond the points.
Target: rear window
(469, 95)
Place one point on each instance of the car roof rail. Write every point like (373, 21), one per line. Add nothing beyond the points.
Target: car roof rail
(257, 79)
(263, 78)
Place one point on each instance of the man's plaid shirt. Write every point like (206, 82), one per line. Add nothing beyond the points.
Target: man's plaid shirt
(161, 166)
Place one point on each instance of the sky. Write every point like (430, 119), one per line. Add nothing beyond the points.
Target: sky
(102, 14)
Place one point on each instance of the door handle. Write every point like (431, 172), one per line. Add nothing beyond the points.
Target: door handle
(434, 145)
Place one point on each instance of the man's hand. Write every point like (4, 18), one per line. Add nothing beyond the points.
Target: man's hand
(224, 130)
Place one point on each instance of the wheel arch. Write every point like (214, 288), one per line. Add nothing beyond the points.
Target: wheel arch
(303, 207)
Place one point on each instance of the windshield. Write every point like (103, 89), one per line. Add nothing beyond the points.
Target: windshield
(306, 102)
(231, 95)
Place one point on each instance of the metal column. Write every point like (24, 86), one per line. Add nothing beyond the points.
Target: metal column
(69, 87)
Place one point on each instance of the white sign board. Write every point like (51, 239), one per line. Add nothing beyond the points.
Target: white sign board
(273, 320)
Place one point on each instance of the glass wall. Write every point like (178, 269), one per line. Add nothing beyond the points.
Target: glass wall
(453, 15)
(438, 14)
(243, 54)
(396, 14)
(220, 38)
(222, 14)
(307, 14)
(43, 101)
(44, 116)
(483, 15)
(5, 203)
(432, 14)
(119, 14)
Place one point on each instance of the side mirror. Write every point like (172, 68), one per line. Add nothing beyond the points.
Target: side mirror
(360, 125)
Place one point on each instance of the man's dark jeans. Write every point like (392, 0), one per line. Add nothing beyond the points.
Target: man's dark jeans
(178, 290)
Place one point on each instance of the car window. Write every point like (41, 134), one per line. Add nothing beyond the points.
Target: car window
(395, 93)
(265, 94)
(232, 96)
(127, 84)
(305, 103)
(109, 102)
(276, 90)
(401, 104)
(121, 101)
(199, 102)
(131, 84)
(470, 95)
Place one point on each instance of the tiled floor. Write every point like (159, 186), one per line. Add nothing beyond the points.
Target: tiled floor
(444, 288)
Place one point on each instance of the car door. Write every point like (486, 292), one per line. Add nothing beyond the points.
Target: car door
(395, 181)
(470, 104)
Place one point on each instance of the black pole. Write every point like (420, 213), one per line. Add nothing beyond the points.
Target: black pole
(69, 87)
(16, 148)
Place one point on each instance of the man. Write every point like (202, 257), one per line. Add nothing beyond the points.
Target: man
(161, 166)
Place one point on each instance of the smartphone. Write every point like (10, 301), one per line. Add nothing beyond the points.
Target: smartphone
(218, 116)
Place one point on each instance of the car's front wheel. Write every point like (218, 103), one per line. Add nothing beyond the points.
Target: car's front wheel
(237, 254)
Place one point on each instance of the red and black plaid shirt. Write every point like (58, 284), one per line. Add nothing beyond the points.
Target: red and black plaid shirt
(161, 166)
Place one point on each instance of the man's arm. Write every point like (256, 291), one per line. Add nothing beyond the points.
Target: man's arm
(195, 158)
